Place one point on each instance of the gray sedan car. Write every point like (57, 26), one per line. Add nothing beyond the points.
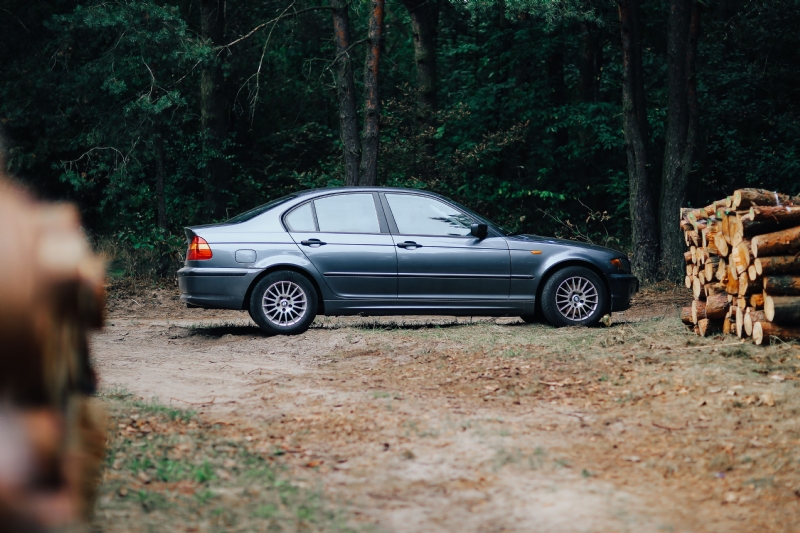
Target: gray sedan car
(384, 251)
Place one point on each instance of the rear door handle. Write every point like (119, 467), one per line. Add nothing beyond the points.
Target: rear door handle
(312, 242)
(408, 244)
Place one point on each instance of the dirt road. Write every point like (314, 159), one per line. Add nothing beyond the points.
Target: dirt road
(432, 424)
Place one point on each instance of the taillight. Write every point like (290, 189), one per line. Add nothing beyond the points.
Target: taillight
(199, 250)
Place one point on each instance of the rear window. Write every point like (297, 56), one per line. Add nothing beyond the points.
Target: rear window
(247, 215)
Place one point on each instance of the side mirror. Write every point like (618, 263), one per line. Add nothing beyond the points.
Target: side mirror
(479, 230)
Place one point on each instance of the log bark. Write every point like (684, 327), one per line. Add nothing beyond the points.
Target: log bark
(785, 242)
(745, 198)
(764, 331)
(782, 309)
(681, 126)
(644, 226)
(698, 311)
(346, 92)
(761, 220)
(782, 285)
(751, 317)
(709, 327)
(778, 264)
(686, 316)
(687, 257)
(714, 288)
(716, 306)
(214, 112)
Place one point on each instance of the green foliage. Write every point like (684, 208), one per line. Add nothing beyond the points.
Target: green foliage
(89, 88)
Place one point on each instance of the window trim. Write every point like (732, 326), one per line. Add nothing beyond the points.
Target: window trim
(396, 231)
(383, 226)
(286, 215)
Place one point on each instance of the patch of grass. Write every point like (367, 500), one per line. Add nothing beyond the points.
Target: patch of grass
(172, 466)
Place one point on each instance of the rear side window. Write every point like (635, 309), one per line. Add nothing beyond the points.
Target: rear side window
(347, 213)
(420, 215)
(301, 219)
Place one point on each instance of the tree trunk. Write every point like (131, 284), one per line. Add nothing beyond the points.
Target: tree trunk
(372, 104)
(424, 26)
(591, 62)
(161, 202)
(214, 112)
(558, 89)
(681, 130)
(644, 233)
(346, 92)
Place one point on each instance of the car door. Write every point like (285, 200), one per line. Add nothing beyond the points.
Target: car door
(438, 258)
(347, 239)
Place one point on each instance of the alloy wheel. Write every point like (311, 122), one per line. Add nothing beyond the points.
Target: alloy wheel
(576, 298)
(284, 303)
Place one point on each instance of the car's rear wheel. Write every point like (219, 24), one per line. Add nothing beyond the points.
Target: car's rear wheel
(574, 296)
(284, 303)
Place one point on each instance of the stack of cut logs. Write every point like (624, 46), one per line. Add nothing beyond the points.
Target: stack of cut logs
(743, 266)
(52, 432)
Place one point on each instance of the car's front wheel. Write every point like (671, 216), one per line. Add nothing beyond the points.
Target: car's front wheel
(574, 296)
(283, 303)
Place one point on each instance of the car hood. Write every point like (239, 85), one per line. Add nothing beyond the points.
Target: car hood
(523, 242)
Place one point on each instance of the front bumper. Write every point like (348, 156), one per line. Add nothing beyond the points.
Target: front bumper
(216, 288)
(623, 287)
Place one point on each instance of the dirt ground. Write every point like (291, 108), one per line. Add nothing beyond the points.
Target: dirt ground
(418, 424)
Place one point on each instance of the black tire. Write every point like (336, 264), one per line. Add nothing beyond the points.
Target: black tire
(574, 296)
(284, 303)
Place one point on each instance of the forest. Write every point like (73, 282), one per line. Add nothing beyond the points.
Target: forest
(590, 120)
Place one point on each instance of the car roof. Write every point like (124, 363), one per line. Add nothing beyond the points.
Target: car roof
(329, 190)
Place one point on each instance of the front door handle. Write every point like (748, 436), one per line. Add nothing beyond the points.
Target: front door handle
(312, 242)
(408, 244)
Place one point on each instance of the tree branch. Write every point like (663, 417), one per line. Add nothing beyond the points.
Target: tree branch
(276, 19)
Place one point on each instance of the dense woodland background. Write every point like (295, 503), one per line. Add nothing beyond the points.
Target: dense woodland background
(153, 115)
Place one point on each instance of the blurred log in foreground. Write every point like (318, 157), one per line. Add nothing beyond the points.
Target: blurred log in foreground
(52, 434)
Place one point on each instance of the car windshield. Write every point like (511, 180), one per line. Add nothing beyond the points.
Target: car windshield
(247, 215)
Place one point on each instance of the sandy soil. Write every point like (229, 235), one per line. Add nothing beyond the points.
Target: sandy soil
(435, 424)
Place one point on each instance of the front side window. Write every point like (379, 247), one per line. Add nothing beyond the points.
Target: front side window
(301, 219)
(420, 215)
(347, 213)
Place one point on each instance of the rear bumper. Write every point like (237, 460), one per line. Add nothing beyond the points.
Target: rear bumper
(215, 288)
(623, 287)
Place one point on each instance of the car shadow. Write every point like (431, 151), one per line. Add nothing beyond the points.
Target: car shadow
(217, 332)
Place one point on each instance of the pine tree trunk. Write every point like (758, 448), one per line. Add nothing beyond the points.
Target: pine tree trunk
(424, 26)
(346, 92)
(681, 129)
(214, 112)
(644, 233)
(372, 105)
(591, 62)
(161, 203)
